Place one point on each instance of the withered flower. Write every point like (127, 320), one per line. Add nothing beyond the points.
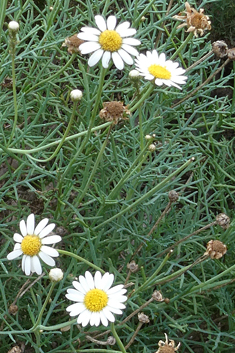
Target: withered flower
(220, 48)
(132, 266)
(196, 21)
(73, 43)
(167, 346)
(114, 111)
(223, 220)
(143, 318)
(231, 54)
(215, 249)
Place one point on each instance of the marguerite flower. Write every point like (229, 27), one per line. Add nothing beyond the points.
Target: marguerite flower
(95, 300)
(109, 41)
(33, 245)
(155, 67)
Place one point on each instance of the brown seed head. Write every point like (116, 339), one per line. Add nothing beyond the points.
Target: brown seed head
(157, 295)
(15, 349)
(220, 48)
(13, 309)
(132, 266)
(173, 196)
(223, 220)
(215, 249)
(111, 341)
(231, 54)
(73, 43)
(114, 111)
(168, 346)
(143, 318)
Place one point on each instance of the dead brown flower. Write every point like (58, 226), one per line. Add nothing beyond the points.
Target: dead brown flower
(220, 48)
(167, 346)
(73, 43)
(114, 111)
(215, 249)
(196, 21)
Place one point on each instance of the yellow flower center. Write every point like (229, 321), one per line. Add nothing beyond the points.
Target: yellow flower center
(110, 40)
(31, 245)
(95, 300)
(159, 71)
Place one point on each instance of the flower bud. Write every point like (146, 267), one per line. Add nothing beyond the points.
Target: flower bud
(76, 95)
(56, 274)
(13, 26)
(134, 75)
(152, 147)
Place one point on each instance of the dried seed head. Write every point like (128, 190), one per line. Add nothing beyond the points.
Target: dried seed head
(133, 267)
(73, 43)
(173, 195)
(220, 48)
(114, 111)
(111, 341)
(168, 346)
(143, 318)
(15, 349)
(231, 54)
(223, 220)
(215, 249)
(157, 295)
(13, 309)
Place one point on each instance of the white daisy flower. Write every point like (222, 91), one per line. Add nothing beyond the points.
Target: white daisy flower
(33, 245)
(155, 67)
(109, 41)
(95, 300)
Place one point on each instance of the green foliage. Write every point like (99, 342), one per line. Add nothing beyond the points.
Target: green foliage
(105, 190)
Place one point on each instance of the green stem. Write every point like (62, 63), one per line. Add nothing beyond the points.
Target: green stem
(147, 195)
(50, 78)
(142, 98)
(81, 259)
(190, 36)
(115, 335)
(35, 326)
(3, 6)
(63, 138)
(14, 93)
(233, 100)
(57, 327)
(97, 162)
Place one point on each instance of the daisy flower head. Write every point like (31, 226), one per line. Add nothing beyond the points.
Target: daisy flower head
(95, 300)
(109, 40)
(32, 244)
(155, 67)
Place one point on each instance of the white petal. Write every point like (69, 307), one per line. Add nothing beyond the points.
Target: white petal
(36, 265)
(125, 56)
(42, 224)
(88, 36)
(17, 237)
(115, 289)
(105, 59)
(107, 277)
(108, 282)
(75, 297)
(17, 246)
(76, 309)
(47, 230)
(79, 287)
(52, 239)
(49, 251)
(27, 265)
(97, 319)
(79, 296)
(23, 228)
(89, 279)
(118, 62)
(30, 224)
(158, 82)
(89, 47)
(97, 279)
(121, 29)
(131, 41)
(114, 310)
(84, 318)
(116, 303)
(100, 23)
(111, 22)
(130, 50)
(14, 254)
(23, 263)
(94, 318)
(108, 314)
(47, 259)
(90, 30)
(103, 319)
(84, 283)
(128, 32)
(95, 57)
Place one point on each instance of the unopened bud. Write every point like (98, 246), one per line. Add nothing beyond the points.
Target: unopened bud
(13, 26)
(76, 95)
(152, 147)
(134, 75)
(56, 274)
